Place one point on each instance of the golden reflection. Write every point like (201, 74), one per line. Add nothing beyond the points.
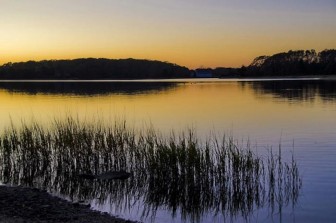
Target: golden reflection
(224, 107)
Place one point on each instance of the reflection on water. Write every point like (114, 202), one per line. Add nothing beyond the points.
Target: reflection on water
(299, 90)
(85, 88)
(306, 90)
(299, 114)
(179, 173)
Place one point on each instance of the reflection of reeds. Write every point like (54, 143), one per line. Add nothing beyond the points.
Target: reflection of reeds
(178, 172)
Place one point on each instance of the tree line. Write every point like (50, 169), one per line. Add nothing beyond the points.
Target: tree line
(92, 68)
(291, 63)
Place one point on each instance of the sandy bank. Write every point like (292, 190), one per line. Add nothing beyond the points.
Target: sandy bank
(19, 204)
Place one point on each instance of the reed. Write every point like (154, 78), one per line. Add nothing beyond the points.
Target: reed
(179, 172)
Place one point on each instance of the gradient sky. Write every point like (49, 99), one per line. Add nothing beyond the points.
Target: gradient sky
(192, 33)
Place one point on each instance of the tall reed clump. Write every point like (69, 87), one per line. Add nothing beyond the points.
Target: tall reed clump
(179, 172)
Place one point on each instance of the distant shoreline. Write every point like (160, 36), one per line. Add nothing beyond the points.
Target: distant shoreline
(216, 79)
(291, 77)
(296, 64)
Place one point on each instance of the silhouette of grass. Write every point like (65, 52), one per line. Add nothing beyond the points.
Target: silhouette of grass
(178, 172)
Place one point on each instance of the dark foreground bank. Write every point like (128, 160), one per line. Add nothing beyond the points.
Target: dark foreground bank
(19, 204)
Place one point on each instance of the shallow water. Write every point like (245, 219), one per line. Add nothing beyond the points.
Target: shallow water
(299, 114)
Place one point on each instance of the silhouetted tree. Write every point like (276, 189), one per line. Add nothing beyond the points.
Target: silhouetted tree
(91, 68)
(298, 62)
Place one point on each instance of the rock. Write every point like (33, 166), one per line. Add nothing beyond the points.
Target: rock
(87, 176)
(114, 175)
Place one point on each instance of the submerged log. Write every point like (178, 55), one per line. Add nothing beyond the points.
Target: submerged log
(110, 175)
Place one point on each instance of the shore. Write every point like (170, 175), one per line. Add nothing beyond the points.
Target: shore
(19, 204)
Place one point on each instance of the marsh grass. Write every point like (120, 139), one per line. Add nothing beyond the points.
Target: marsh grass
(178, 172)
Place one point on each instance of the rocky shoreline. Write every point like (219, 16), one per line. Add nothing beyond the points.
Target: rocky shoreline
(21, 204)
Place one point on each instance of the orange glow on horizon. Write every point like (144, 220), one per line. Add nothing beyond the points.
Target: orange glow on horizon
(192, 34)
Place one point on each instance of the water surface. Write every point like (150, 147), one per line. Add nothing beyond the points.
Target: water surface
(299, 114)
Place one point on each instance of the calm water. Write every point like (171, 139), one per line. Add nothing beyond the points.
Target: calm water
(299, 114)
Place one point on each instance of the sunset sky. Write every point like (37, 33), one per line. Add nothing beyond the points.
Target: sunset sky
(192, 33)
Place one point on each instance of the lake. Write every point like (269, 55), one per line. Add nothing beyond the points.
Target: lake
(298, 114)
